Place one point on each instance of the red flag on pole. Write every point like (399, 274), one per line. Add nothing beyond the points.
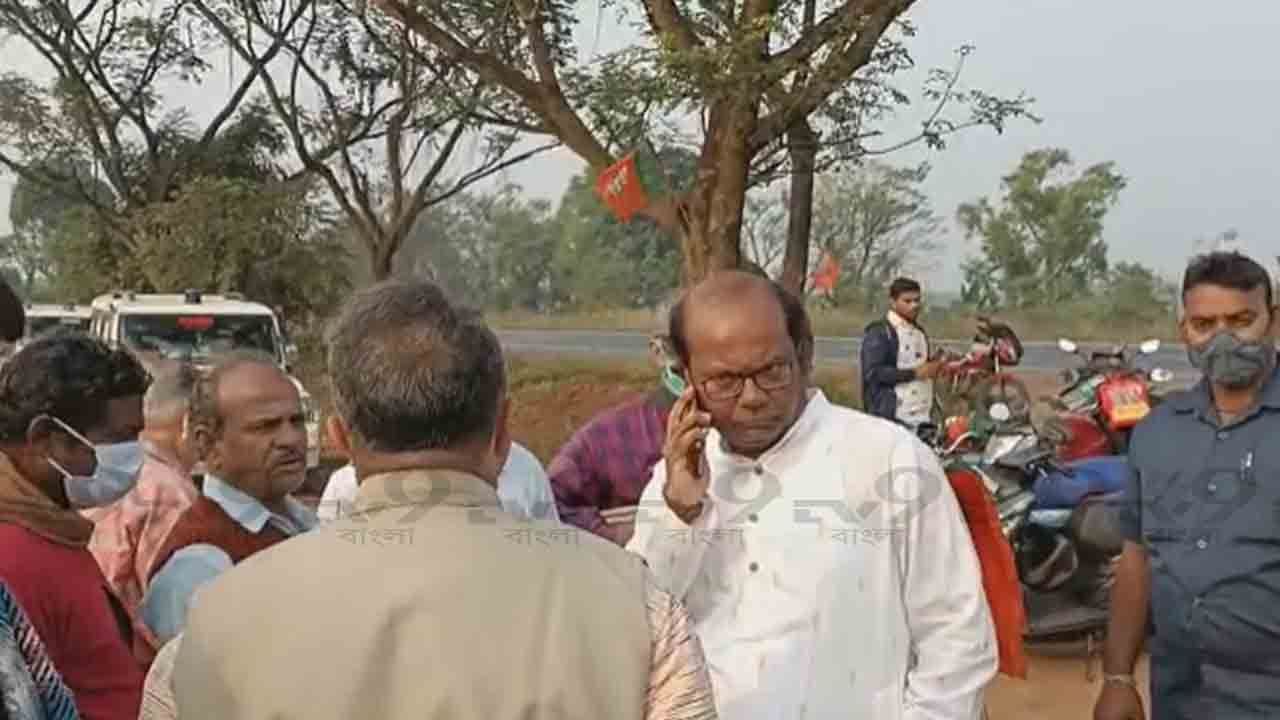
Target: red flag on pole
(827, 274)
(620, 188)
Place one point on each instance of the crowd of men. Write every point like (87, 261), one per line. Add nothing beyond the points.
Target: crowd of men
(733, 544)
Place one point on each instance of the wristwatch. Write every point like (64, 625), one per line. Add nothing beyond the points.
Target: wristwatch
(1122, 680)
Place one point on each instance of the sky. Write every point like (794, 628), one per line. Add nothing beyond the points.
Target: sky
(1180, 96)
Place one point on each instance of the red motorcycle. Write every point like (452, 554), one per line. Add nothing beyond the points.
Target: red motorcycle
(976, 380)
(1101, 401)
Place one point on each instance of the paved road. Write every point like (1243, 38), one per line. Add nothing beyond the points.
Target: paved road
(1039, 356)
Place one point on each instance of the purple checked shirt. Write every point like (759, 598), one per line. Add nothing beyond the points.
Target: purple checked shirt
(607, 462)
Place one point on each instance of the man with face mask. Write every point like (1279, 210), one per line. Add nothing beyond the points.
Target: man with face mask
(598, 475)
(70, 414)
(247, 422)
(1200, 518)
(128, 534)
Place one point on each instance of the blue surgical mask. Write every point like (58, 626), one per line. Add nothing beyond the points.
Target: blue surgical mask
(118, 466)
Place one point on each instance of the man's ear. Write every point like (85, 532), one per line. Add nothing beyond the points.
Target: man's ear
(205, 445)
(40, 435)
(339, 434)
(502, 432)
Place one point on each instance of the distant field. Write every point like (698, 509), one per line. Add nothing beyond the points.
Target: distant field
(1081, 323)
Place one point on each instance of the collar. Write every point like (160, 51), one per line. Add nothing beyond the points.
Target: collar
(1200, 398)
(902, 323)
(423, 488)
(795, 438)
(250, 513)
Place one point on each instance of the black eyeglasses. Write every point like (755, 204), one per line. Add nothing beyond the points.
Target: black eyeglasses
(728, 386)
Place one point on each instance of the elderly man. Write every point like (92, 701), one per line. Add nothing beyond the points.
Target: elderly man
(128, 534)
(1200, 522)
(597, 477)
(430, 600)
(70, 414)
(247, 421)
(821, 552)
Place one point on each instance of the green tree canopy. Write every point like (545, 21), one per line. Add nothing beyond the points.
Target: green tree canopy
(1042, 242)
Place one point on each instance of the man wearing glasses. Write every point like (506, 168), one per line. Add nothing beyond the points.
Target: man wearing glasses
(820, 551)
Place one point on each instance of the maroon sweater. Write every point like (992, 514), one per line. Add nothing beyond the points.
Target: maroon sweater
(65, 595)
(204, 523)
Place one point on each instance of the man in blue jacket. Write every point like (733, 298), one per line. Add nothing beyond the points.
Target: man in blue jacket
(897, 372)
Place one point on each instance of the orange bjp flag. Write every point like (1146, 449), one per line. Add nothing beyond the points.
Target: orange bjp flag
(620, 187)
(827, 274)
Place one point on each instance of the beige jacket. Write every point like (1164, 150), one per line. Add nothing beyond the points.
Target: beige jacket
(429, 601)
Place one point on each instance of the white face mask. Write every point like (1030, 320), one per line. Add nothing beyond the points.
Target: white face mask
(116, 474)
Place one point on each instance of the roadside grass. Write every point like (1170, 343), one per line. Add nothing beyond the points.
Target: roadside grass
(552, 396)
(1083, 322)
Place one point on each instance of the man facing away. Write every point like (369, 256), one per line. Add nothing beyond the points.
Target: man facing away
(897, 373)
(1199, 564)
(70, 414)
(597, 477)
(128, 533)
(429, 600)
(821, 552)
(247, 421)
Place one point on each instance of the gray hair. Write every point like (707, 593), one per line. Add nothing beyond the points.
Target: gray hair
(169, 396)
(203, 409)
(410, 371)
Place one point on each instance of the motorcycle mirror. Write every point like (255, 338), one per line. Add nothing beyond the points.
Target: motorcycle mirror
(1149, 347)
(1161, 375)
(999, 412)
(1067, 346)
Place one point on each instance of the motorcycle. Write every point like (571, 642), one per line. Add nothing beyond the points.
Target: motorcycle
(1059, 519)
(974, 381)
(1101, 400)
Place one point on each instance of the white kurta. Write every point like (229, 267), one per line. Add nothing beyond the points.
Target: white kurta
(832, 578)
(915, 398)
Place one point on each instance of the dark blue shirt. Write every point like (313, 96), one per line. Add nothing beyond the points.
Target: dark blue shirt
(1204, 500)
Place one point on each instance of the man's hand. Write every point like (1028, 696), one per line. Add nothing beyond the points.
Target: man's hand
(684, 456)
(1118, 702)
(929, 369)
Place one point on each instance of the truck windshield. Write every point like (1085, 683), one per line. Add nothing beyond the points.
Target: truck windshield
(198, 337)
(37, 325)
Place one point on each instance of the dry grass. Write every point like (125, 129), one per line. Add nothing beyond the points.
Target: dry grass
(1081, 322)
(552, 396)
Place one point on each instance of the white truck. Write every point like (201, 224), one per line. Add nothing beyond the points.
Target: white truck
(195, 327)
(42, 318)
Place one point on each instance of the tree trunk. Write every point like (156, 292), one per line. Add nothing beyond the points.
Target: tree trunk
(712, 232)
(803, 143)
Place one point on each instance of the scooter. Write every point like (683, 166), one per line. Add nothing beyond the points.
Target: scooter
(1058, 518)
(1101, 401)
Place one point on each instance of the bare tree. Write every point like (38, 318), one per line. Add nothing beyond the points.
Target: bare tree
(103, 108)
(390, 118)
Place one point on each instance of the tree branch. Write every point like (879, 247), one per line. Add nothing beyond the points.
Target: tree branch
(667, 20)
(833, 73)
